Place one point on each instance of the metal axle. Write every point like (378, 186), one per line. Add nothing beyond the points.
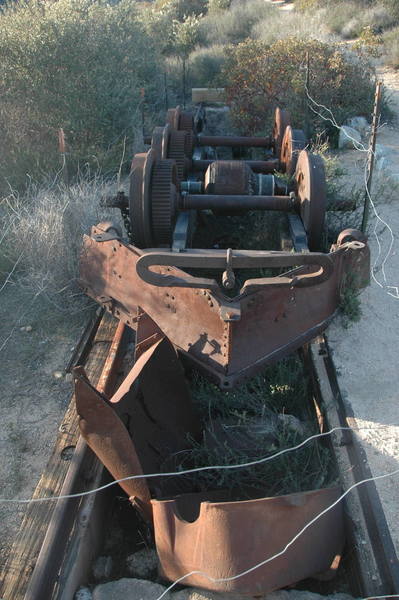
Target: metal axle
(232, 141)
(257, 166)
(237, 202)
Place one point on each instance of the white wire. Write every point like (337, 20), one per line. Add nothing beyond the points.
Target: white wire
(359, 146)
(195, 470)
(288, 545)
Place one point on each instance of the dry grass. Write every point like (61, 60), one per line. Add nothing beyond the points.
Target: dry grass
(41, 235)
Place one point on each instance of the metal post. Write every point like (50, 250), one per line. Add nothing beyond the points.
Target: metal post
(371, 154)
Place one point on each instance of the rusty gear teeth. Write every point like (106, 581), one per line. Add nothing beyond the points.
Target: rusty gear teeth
(186, 122)
(163, 200)
(177, 151)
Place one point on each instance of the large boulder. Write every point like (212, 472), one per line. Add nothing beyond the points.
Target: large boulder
(349, 138)
(359, 123)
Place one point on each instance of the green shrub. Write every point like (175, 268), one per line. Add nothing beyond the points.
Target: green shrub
(261, 77)
(80, 66)
(391, 47)
(217, 5)
(205, 66)
(234, 25)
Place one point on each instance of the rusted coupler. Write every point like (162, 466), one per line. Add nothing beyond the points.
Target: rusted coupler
(234, 202)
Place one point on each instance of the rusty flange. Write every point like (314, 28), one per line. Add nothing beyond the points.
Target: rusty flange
(139, 199)
(281, 120)
(294, 141)
(180, 120)
(311, 193)
(160, 141)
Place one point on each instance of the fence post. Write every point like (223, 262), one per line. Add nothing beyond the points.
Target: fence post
(371, 154)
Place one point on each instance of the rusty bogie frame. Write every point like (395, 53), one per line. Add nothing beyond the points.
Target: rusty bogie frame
(227, 332)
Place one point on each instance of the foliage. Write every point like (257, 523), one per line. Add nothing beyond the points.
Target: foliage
(205, 66)
(368, 43)
(349, 18)
(262, 76)
(391, 47)
(218, 5)
(252, 421)
(234, 25)
(185, 35)
(41, 233)
(80, 67)
(180, 9)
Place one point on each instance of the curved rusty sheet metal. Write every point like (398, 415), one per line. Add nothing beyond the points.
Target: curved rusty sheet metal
(224, 539)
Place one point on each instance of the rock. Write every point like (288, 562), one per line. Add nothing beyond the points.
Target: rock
(28, 328)
(83, 593)
(381, 160)
(58, 375)
(123, 589)
(348, 138)
(142, 564)
(360, 124)
(102, 567)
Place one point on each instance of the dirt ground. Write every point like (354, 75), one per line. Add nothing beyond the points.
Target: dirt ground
(32, 399)
(366, 353)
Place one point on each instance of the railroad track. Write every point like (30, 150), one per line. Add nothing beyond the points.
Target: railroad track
(159, 316)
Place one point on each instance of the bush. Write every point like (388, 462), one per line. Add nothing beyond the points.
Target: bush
(80, 67)
(41, 233)
(348, 19)
(234, 25)
(391, 47)
(263, 76)
(205, 66)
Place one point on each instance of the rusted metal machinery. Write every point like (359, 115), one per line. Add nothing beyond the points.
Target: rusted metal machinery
(227, 329)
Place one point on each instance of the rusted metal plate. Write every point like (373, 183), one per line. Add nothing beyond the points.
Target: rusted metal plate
(224, 539)
(268, 322)
(107, 436)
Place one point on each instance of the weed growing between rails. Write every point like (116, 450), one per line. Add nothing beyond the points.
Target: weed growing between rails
(268, 413)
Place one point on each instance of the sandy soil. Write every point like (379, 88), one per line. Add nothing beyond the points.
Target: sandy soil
(32, 400)
(366, 354)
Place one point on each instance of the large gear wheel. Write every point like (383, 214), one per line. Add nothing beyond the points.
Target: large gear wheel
(177, 151)
(173, 117)
(163, 200)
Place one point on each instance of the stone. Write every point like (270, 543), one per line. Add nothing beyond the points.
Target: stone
(142, 564)
(102, 567)
(348, 138)
(359, 123)
(58, 375)
(123, 589)
(83, 593)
